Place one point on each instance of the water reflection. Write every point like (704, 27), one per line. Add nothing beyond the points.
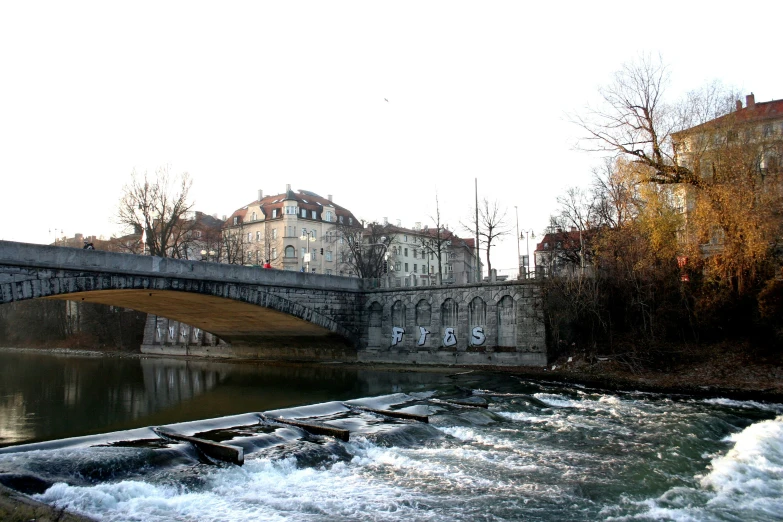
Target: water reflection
(46, 396)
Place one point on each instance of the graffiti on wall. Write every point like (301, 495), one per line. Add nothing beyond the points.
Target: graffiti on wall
(477, 336)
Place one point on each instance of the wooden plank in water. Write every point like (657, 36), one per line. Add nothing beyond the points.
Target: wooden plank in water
(468, 404)
(216, 450)
(311, 427)
(392, 413)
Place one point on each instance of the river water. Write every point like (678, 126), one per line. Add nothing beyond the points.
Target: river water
(540, 451)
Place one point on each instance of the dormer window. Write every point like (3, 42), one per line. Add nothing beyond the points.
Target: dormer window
(304, 212)
(253, 216)
(341, 219)
(314, 215)
(290, 209)
(328, 216)
(274, 212)
(236, 220)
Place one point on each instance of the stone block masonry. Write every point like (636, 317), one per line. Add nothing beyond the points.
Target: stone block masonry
(209, 309)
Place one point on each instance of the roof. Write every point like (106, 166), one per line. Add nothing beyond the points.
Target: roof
(446, 234)
(304, 198)
(754, 113)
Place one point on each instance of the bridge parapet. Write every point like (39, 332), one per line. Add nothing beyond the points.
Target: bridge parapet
(63, 258)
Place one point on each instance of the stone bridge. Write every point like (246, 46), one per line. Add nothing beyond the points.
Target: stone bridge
(269, 313)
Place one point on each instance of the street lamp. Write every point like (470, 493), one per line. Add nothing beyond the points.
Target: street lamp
(206, 255)
(527, 235)
(309, 237)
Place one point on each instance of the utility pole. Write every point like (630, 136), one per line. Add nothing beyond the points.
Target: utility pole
(478, 255)
(519, 255)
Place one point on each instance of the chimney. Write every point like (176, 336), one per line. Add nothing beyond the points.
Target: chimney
(329, 197)
(750, 101)
(385, 221)
(288, 187)
(224, 217)
(260, 194)
(739, 105)
(417, 225)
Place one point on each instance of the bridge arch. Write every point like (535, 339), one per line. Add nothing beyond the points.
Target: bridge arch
(239, 313)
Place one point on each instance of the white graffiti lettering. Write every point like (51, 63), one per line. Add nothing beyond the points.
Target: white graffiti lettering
(478, 336)
(422, 336)
(397, 335)
(449, 339)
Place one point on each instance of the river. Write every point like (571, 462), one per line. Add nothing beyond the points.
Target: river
(540, 451)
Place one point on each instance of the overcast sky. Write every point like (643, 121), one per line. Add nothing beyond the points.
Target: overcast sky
(255, 95)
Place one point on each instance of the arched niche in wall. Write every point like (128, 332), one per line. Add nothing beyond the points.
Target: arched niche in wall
(423, 313)
(375, 335)
(477, 312)
(398, 314)
(507, 322)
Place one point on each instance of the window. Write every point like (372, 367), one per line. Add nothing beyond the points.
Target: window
(415, 268)
(290, 251)
(406, 267)
(290, 209)
(249, 237)
(304, 252)
(258, 236)
(341, 219)
(274, 233)
(274, 212)
(415, 253)
(405, 237)
(304, 233)
(304, 212)
(290, 231)
(328, 255)
(236, 220)
(253, 216)
(406, 255)
(350, 221)
(328, 216)
(767, 131)
(198, 234)
(397, 266)
(328, 271)
(313, 215)
(274, 253)
(432, 255)
(312, 233)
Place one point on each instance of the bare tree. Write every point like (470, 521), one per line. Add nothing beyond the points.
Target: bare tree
(636, 121)
(231, 249)
(440, 240)
(365, 249)
(492, 226)
(157, 207)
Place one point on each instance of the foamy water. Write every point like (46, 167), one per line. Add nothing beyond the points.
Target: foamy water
(538, 453)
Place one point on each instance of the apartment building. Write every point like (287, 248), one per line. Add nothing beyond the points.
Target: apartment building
(413, 257)
(293, 230)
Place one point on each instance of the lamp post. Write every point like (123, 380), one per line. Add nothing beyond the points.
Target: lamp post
(527, 234)
(307, 236)
(205, 255)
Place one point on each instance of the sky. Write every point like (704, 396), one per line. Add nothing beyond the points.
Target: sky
(384, 105)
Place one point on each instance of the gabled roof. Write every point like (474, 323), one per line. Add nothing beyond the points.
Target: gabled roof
(757, 113)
